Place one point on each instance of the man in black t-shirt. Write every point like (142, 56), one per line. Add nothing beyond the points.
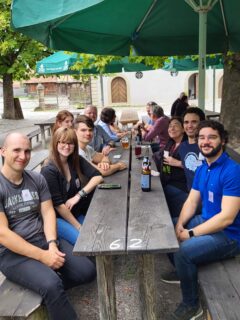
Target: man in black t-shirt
(30, 253)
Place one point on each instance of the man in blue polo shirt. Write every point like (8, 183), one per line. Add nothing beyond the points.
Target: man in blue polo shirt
(215, 234)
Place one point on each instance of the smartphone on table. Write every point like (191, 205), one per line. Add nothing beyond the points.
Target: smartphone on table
(109, 186)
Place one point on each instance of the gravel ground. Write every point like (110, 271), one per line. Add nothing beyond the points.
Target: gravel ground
(85, 297)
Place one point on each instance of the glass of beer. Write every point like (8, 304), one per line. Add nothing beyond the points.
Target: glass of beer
(138, 151)
(125, 142)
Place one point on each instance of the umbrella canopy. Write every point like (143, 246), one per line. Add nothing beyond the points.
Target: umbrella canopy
(112, 27)
(149, 27)
(61, 63)
(189, 64)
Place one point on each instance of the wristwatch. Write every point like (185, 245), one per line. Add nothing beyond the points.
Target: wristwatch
(82, 193)
(191, 233)
(53, 240)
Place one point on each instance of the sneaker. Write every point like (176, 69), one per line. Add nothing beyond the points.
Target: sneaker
(185, 312)
(170, 277)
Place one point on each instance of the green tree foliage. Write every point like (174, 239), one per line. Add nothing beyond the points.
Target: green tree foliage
(90, 61)
(18, 56)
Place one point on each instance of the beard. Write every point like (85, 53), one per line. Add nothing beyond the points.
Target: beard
(212, 153)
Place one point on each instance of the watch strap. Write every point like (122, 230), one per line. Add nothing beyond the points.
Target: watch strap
(191, 233)
(53, 241)
(82, 193)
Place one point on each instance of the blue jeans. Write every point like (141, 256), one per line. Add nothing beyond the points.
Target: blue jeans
(67, 231)
(48, 283)
(200, 250)
(175, 199)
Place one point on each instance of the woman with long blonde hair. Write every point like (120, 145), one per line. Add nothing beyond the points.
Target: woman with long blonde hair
(71, 180)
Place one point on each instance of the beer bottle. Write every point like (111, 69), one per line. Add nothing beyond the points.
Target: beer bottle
(146, 175)
(139, 135)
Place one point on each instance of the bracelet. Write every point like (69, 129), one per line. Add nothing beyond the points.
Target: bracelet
(111, 145)
(82, 193)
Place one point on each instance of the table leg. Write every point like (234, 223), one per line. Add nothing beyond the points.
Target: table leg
(106, 288)
(147, 286)
(43, 138)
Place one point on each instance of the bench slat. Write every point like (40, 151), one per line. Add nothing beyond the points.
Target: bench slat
(220, 283)
(17, 301)
(37, 159)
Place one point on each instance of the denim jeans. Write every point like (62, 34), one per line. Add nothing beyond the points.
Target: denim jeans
(175, 199)
(67, 231)
(200, 250)
(51, 285)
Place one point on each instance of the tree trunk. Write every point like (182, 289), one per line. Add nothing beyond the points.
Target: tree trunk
(11, 109)
(230, 108)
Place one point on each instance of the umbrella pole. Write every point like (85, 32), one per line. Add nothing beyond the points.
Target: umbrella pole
(202, 7)
(101, 87)
(214, 86)
(202, 58)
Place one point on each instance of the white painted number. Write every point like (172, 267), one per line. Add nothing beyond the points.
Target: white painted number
(115, 244)
(136, 243)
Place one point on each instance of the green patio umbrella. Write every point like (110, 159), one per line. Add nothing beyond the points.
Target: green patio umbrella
(61, 62)
(112, 27)
(149, 27)
(174, 65)
(189, 64)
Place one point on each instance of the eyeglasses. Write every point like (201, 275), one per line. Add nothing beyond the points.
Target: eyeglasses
(64, 144)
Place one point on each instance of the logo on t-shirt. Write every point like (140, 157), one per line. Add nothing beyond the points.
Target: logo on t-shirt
(192, 162)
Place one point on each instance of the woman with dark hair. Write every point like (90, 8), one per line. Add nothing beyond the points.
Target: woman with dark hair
(170, 167)
(64, 118)
(107, 118)
(71, 180)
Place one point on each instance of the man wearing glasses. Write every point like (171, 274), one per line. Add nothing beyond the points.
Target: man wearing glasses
(215, 234)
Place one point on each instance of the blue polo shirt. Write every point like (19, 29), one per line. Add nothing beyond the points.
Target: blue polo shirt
(221, 178)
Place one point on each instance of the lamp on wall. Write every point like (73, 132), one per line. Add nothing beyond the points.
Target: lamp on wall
(174, 73)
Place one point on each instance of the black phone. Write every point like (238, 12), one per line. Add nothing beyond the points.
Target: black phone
(109, 186)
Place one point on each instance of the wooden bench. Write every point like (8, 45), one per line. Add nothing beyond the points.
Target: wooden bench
(127, 221)
(37, 132)
(37, 159)
(45, 125)
(220, 281)
(17, 302)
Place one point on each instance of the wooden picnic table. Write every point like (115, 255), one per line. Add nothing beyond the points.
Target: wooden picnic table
(45, 124)
(211, 114)
(127, 221)
(129, 116)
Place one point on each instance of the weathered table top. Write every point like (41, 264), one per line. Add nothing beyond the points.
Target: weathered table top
(105, 226)
(47, 122)
(211, 114)
(129, 116)
(127, 220)
(150, 228)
